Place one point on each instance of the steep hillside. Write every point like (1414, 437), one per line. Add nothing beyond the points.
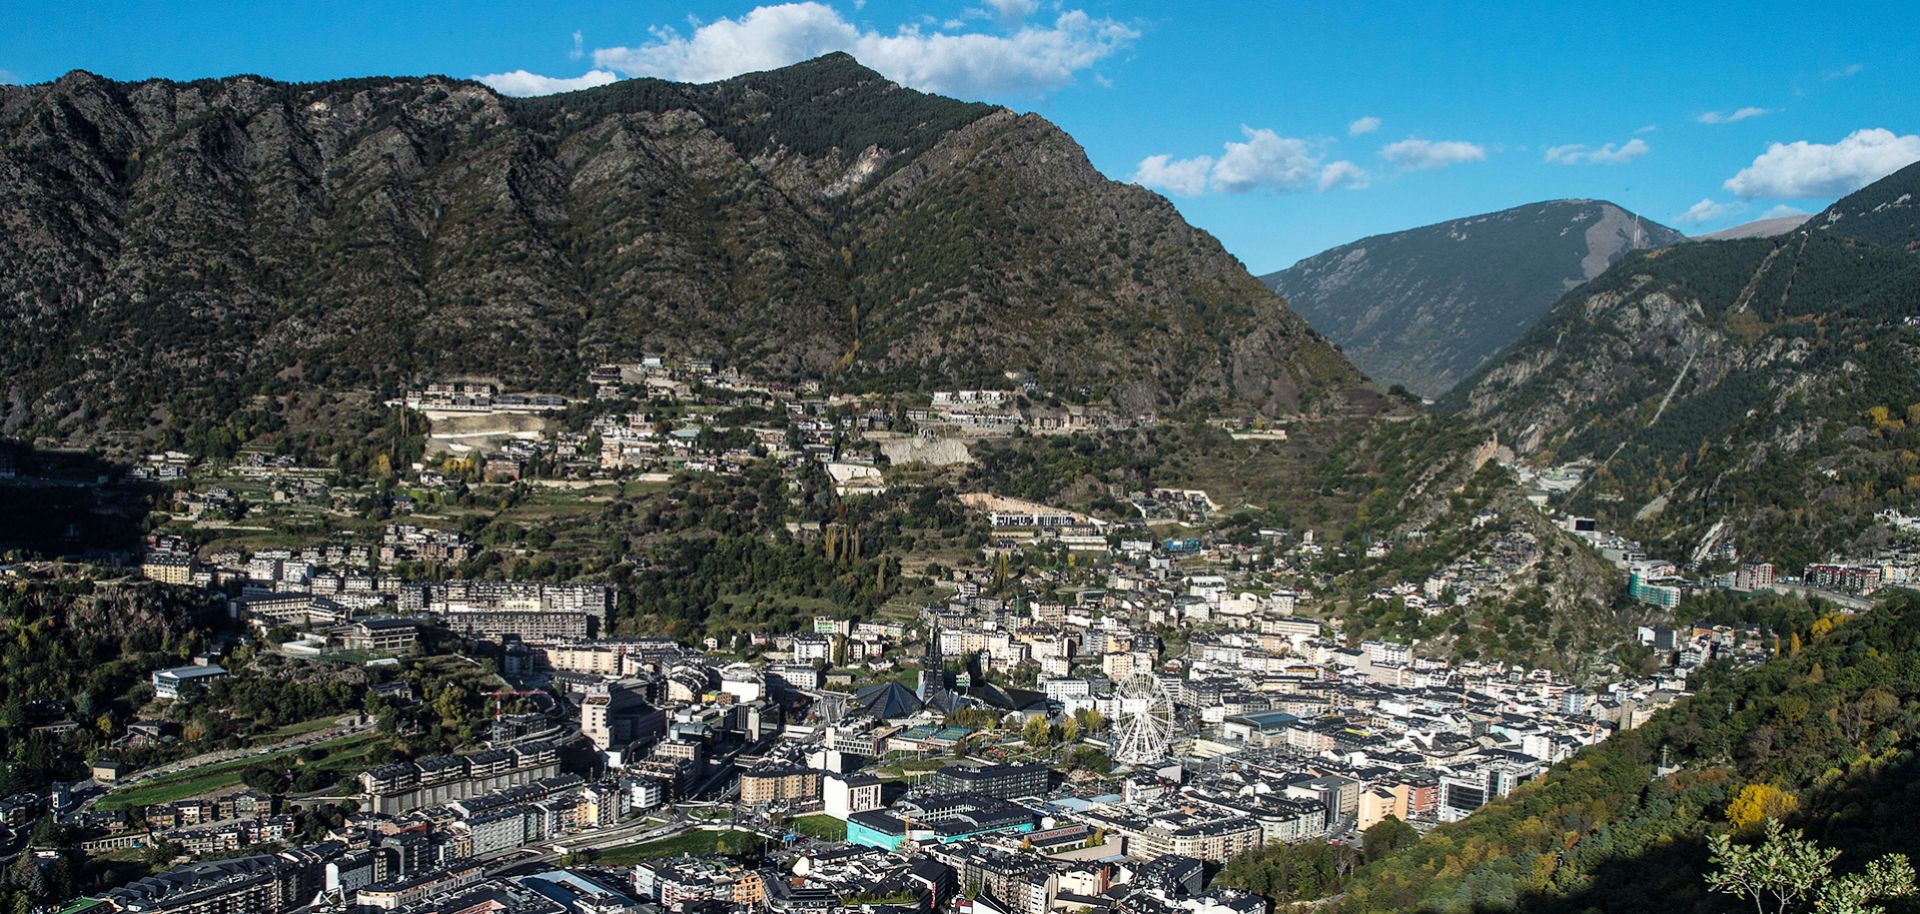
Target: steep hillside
(81, 645)
(1830, 724)
(181, 253)
(1886, 212)
(1423, 485)
(1770, 383)
(1424, 307)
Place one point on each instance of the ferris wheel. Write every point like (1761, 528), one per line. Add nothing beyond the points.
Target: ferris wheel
(1145, 728)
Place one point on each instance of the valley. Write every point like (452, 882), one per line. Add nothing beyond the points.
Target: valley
(802, 491)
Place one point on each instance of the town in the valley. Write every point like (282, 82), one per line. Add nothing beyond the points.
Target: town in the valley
(1068, 713)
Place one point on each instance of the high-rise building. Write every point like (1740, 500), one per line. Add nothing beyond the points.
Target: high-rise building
(1006, 782)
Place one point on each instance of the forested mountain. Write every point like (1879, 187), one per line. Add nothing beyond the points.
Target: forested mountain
(1424, 307)
(1773, 384)
(1884, 213)
(81, 645)
(1823, 735)
(175, 255)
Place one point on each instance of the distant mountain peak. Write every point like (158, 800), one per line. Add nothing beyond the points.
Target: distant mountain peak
(835, 64)
(1759, 228)
(1424, 307)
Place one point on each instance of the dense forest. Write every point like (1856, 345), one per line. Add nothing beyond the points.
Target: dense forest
(720, 555)
(710, 564)
(78, 649)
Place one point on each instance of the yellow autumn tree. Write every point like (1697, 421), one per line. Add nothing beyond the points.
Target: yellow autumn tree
(1758, 803)
(1542, 875)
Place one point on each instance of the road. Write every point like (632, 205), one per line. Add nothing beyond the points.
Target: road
(622, 835)
(533, 859)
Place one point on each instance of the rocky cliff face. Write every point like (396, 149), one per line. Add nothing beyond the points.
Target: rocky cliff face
(1762, 393)
(1425, 307)
(179, 253)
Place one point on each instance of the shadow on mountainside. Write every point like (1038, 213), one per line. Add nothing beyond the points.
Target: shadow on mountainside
(1865, 814)
(64, 503)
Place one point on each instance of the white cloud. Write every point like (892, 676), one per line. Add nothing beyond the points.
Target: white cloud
(1852, 69)
(1709, 211)
(9, 78)
(1784, 210)
(579, 47)
(1180, 177)
(1366, 124)
(1343, 174)
(1734, 116)
(1576, 153)
(1426, 155)
(765, 38)
(1266, 161)
(1803, 170)
(1263, 161)
(1646, 130)
(1013, 10)
(523, 83)
(1029, 58)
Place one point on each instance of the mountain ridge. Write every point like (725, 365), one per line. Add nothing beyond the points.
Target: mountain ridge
(1753, 397)
(1421, 307)
(184, 252)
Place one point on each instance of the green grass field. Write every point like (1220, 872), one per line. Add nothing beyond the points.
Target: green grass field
(342, 754)
(902, 768)
(821, 826)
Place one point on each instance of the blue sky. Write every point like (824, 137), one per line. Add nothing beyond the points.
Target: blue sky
(1284, 128)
